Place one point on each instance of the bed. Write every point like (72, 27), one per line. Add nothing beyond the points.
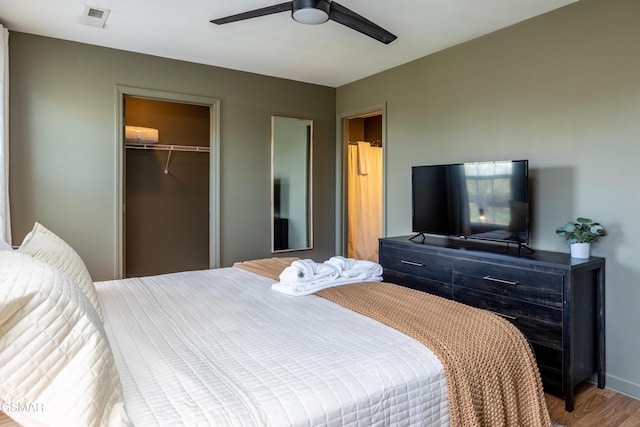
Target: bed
(219, 347)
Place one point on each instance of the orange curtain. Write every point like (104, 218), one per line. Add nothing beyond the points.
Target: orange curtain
(364, 204)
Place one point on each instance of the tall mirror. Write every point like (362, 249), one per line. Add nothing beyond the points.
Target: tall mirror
(291, 218)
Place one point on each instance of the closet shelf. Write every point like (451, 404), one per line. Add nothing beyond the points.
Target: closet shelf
(163, 147)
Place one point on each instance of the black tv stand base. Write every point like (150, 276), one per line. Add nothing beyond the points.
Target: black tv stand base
(522, 246)
(419, 235)
(523, 249)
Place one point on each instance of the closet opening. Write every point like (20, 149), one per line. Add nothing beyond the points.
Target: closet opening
(168, 190)
(364, 185)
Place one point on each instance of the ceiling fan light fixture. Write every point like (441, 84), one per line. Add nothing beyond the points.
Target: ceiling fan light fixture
(316, 12)
(310, 12)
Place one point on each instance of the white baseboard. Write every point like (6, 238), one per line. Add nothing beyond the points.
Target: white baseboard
(623, 386)
(619, 385)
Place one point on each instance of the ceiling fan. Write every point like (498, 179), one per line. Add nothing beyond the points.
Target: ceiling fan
(317, 12)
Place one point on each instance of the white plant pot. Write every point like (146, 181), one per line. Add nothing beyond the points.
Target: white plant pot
(580, 250)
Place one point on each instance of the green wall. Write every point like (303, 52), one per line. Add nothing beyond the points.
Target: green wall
(63, 144)
(562, 90)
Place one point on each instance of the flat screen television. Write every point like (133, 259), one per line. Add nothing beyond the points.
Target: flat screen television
(480, 200)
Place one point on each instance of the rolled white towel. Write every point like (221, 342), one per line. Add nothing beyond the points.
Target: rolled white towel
(364, 269)
(355, 268)
(308, 271)
(340, 262)
(298, 271)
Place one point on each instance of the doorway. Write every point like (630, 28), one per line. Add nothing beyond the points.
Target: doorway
(168, 190)
(364, 184)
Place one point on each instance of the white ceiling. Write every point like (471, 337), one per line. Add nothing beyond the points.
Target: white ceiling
(328, 54)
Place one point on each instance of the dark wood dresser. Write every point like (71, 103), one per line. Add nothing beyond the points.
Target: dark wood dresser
(556, 301)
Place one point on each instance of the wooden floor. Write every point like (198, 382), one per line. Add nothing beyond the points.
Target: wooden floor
(593, 407)
(596, 407)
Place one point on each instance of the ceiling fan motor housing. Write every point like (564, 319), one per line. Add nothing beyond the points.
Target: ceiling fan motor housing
(310, 11)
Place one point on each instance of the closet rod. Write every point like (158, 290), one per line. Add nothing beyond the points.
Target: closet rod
(169, 148)
(376, 143)
(164, 147)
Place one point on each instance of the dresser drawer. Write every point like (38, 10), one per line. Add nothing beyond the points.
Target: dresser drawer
(444, 290)
(519, 283)
(417, 263)
(551, 365)
(540, 324)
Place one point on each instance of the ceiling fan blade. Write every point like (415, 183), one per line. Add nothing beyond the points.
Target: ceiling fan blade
(269, 10)
(352, 20)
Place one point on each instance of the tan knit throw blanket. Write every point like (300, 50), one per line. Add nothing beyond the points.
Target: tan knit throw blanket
(492, 378)
(268, 267)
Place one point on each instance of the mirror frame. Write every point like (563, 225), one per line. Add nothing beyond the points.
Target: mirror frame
(308, 189)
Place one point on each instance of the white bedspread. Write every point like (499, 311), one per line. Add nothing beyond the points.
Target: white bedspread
(220, 348)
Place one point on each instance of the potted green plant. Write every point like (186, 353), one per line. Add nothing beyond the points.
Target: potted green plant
(579, 234)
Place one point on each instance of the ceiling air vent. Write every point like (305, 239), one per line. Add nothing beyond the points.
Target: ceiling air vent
(94, 16)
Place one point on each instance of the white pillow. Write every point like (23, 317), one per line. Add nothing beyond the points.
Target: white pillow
(44, 245)
(55, 359)
(4, 246)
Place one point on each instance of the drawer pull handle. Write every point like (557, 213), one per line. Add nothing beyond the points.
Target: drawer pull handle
(415, 264)
(504, 282)
(506, 316)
